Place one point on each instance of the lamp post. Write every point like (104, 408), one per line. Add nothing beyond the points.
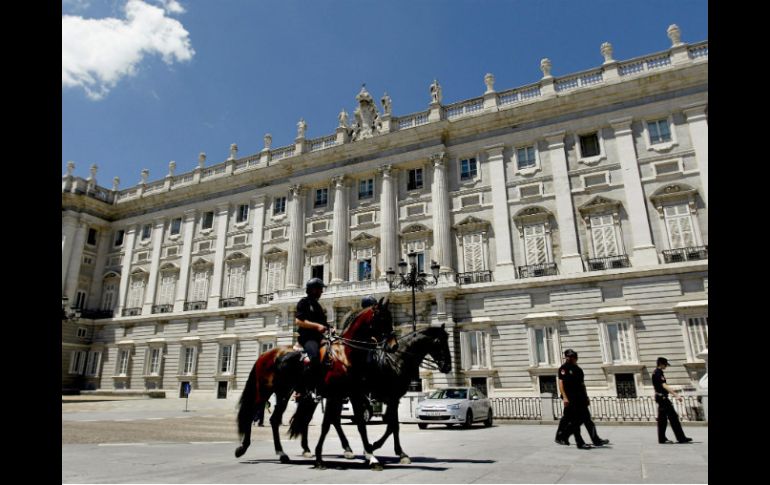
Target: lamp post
(416, 281)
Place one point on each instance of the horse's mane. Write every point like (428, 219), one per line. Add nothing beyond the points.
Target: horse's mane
(354, 322)
(350, 319)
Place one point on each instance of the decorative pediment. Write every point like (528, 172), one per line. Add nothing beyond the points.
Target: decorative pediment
(599, 204)
(674, 193)
(200, 262)
(318, 246)
(236, 256)
(471, 224)
(364, 240)
(532, 214)
(416, 231)
(276, 253)
(111, 274)
(139, 273)
(169, 267)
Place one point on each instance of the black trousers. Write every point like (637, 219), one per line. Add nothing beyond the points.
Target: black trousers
(574, 416)
(667, 413)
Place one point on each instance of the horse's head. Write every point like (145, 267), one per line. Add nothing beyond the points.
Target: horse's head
(438, 348)
(382, 324)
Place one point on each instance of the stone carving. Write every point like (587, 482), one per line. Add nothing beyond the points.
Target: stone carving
(70, 168)
(268, 141)
(145, 174)
(674, 34)
(295, 190)
(435, 92)
(233, 151)
(115, 183)
(92, 177)
(367, 119)
(606, 51)
(201, 159)
(171, 168)
(343, 119)
(438, 159)
(387, 105)
(545, 66)
(489, 80)
(301, 128)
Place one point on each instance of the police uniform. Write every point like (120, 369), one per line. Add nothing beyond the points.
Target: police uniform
(309, 309)
(576, 412)
(666, 410)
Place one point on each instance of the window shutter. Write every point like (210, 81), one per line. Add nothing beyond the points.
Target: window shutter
(167, 285)
(603, 232)
(534, 239)
(679, 224)
(465, 351)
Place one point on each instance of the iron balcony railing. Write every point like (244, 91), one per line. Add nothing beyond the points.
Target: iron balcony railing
(609, 262)
(195, 305)
(265, 299)
(635, 409)
(516, 407)
(162, 308)
(131, 312)
(230, 302)
(97, 314)
(535, 270)
(686, 254)
(474, 277)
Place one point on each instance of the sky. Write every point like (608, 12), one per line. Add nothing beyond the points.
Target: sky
(145, 82)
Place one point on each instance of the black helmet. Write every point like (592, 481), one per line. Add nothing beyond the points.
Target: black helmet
(368, 301)
(570, 353)
(662, 361)
(314, 283)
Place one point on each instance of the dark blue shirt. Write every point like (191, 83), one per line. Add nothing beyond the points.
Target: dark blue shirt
(309, 309)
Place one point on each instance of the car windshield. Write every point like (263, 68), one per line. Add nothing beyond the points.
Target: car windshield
(450, 394)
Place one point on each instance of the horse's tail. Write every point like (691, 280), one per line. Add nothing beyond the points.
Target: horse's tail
(301, 420)
(247, 406)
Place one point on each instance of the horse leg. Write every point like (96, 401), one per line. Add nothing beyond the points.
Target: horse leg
(282, 401)
(389, 428)
(328, 417)
(343, 439)
(358, 410)
(305, 446)
(245, 443)
(393, 424)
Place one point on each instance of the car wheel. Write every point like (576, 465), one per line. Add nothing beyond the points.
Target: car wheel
(468, 419)
(422, 425)
(488, 421)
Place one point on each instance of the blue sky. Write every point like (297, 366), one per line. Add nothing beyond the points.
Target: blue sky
(145, 82)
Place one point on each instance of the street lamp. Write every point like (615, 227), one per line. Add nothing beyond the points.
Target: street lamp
(68, 313)
(416, 281)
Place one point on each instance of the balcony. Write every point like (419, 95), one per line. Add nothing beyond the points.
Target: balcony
(132, 312)
(195, 305)
(535, 270)
(162, 308)
(686, 254)
(231, 302)
(265, 299)
(610, 262)
(474, 277)
(96, 314)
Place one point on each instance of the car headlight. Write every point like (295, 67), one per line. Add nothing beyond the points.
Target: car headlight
(453, 407)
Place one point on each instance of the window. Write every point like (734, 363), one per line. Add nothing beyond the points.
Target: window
(122, 367)
(679, 226)
(146, 229)
(474, 350)
(317, 271)
(119, 237)
(207, 220)
(619, 343)
(321, 197)
(236, 280)
(243, 213)
(603, 236)
(136, 292)
(625, 386)
(108, 294)
(480, 386)
(589, 145)
(92, 367)
(80, 299)
(366, 189)
(535, 244)
(274, 280)
(473, 253)
(153, 368)
(545, 352)
(279, 205)
(468, 169)
(88, 260)
(200, 285)
(176, 225)
(267, 346)
(82, 332)
(188, 360)
(548, 385)
(91, 241)
(77, 362)
(226, 359)
(698, 331)
(415, 179)
(659, 131)
(364, 269)
(525, 157)
(166, 293)
(419, 248)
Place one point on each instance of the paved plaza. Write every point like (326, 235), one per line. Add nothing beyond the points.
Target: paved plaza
(156, 441)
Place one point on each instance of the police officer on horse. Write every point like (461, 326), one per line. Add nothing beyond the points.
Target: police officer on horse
(310, 318)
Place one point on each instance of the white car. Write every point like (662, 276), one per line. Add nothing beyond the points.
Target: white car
(373, 408)
(455, 405)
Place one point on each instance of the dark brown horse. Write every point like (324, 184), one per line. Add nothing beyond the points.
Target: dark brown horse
(280, 371)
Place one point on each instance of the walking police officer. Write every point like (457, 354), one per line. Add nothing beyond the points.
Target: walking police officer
(666, 410)
(576, 402)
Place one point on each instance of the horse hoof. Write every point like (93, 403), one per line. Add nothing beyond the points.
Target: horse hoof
(285, 459)
(405, 460)
(349, 455)
(377, 467)
(240, 451)
(307, 454)
(319, 465)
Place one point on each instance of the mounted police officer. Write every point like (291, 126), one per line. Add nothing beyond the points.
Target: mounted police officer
(666, 410)
(310, 318)
(368, 301)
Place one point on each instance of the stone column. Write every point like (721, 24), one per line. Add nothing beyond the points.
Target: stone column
(184, 266)
(340, 249)
(68, 225)
(157, 243)
(296, 236)
(255, 266)
(128, 253)
(699, 134)
(222, 211)
(388, 226)
(76, 257)
(442, 225)
(565, 212)
(644, 250)
(103, 246)
(504, 267)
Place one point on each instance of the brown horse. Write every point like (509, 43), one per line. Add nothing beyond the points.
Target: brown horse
(280, 371)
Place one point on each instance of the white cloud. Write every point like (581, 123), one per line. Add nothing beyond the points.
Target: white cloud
(172, 6)
(98, 53)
